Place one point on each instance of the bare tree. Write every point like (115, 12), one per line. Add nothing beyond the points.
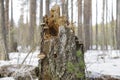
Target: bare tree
(6, 56)
(103, 26)
(32, 21)
(7, 14)
(66, 8)
(96, 24)
(80, 34)
(87, 22)
(71, 10)
(118, 25)
(11, 32)
(63, 7)
(113, 28)
(91, 30)
(41, 10)
(106, 30)
(47, 7)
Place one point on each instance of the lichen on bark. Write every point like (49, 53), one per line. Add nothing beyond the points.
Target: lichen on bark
(59, 51)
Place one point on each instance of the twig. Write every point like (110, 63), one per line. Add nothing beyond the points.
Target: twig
(27, 55)
(19, 54)
(31, 58)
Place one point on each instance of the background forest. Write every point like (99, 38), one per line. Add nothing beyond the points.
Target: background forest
(96, 23)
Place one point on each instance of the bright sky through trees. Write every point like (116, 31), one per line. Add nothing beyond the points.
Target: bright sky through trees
(17, 6)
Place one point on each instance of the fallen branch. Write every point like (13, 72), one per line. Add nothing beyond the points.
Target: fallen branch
(27, 55)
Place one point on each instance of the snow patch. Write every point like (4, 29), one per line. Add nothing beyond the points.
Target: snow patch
(109, 65)
(7, 78)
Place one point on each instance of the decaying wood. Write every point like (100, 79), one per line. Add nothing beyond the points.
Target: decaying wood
(19, 72)
(55, 11)
(54, 21)
(59, 45)
(58, 52)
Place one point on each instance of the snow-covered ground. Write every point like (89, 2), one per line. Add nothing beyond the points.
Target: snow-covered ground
(18, 57)
(7, 78)
(98, 62)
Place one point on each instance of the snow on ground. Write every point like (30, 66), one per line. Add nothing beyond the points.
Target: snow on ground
(18, 57)
(100, 63)
(7, 78)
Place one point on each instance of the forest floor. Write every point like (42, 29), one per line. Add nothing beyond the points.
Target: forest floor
(98, 63)
(104, 63)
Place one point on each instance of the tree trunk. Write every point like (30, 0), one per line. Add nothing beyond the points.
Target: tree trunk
(91, 29)
(62, 58)
(87, 22)
(103, 26)
(118, 25)
(113, 28)
(47, 7)
(66, 8)
(106, 30)
(32, 21)
(71, 10)
(6, 56)
(80, 21)
(40, 18)
(7, 14)
(96, 24)
(41, 10)
(11, 33)
(7, 19)
(63, 8)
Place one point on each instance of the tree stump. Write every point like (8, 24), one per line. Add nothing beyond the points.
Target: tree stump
(63, 57)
